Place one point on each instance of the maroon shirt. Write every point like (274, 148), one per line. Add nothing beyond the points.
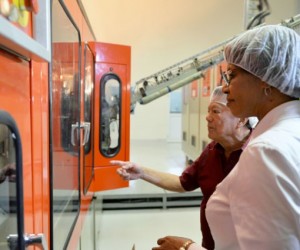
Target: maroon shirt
(207, 172)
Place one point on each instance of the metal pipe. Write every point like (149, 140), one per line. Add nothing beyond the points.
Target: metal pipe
(170, 88)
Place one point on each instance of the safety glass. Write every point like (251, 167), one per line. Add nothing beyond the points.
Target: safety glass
(226, 76)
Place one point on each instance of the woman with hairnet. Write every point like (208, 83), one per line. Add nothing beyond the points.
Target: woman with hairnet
(257, 206)
(229, 135)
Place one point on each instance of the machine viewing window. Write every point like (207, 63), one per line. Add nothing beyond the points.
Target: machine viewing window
(110, 114)
(11, 184)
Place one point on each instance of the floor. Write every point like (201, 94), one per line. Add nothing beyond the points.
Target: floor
(121, 229)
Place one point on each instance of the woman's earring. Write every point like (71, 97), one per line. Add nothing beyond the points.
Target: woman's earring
(267, 91)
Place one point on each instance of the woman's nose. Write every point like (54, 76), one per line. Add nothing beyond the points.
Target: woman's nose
(225, 88)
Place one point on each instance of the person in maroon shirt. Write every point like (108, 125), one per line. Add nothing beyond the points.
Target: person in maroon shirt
(228, 134)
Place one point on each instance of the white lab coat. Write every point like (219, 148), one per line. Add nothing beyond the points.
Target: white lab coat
(257, 206)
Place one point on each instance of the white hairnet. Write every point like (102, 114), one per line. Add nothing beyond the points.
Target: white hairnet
(218, 96)
(270, 52)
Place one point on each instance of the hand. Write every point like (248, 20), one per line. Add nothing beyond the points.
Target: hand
(170, 243)
(128, 170)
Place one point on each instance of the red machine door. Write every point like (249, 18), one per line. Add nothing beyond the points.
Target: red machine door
(16, 176)
(111, 113)
(11, 185)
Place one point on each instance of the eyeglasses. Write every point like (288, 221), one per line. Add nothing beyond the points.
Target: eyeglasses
(226, 76)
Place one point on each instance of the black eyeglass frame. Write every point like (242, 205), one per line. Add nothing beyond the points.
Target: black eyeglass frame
(226, 77)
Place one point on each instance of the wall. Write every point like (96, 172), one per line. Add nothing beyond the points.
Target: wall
(164, 32)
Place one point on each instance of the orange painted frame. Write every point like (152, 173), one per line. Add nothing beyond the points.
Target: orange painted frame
(40, 147)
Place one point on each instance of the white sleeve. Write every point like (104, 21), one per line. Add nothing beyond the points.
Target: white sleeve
(265, 199)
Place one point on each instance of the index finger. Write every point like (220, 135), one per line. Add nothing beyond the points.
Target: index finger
(120, 163)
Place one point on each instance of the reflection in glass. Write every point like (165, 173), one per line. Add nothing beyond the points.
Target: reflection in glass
(8, 195)
(110, 114)
(69, 112)
(65, 128)
(88, 111)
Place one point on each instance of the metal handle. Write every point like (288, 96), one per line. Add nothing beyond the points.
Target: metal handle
(37, 240)
(74, 128)
(86, 132)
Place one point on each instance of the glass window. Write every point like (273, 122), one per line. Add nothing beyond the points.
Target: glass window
(65, 126)
(110, 114)
(88, 77)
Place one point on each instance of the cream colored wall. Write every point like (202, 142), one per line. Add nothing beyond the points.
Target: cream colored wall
(164, 32)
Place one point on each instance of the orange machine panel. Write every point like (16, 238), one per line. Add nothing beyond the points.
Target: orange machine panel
(111, 113)
(15, 99)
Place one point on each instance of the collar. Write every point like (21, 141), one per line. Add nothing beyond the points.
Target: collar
(288, 110)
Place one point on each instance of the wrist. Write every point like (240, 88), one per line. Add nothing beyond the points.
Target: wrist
(186, 245)
(143, 173)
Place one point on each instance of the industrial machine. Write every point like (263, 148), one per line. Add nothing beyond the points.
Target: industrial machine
(65, 102)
